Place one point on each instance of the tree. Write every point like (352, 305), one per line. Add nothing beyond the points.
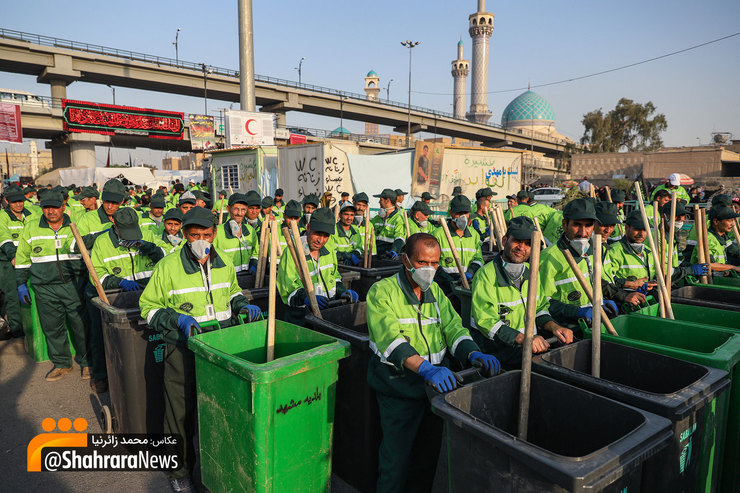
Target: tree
(629, 126)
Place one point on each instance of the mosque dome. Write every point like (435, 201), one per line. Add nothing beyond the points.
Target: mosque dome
(372, 73)
(527, 107)
(339, 131)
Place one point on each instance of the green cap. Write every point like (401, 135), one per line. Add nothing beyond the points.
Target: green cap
(29, 189)
(312, 198)
(420, 206)
(485, 192)
(387, 193)
(400, 192)
(157, 201)
(238, 198)
(87, 192)
(427, 196)
(618, 195)
(173, 213)
(360, 197)
(52, 198)
(198, 216)
(322, 220)
(279, 192)
(579, 209)
(457, 191)
(521, 228)
(634, 219)
(722, 212)
(267, 202)
(14, 193)
(253, 198)
(113, 191)
(680, 209)
(292, 209)
(127, 224)
(522, 194)
(607, 213)
(200, 194)
(460, 203)
(187, 198)
(721, 199)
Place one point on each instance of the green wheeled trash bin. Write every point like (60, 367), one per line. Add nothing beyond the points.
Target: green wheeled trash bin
(35, 340)
(731, 283)
(266, 427)
(707, 295)
(710, 346)
(135, 356)
(726, 319)
(357, 431)
(466, 305)
(685, 393)
(576, 440)
(380, 269)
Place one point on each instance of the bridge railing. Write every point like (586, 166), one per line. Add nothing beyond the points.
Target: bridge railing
(199, 67)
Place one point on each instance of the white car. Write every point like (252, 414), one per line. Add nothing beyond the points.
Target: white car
(548, 195)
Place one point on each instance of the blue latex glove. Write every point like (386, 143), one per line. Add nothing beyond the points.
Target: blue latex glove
(129, 285)
(441, 378)
(347, 262)
(487, 362)
(355, 259)
(585, 312)
(643, 289)
(700, 269)
(351, 296)
(610, 308)
(185, 322)
(392, 255)
(23, 295)
(253, 269)
(469, 276)
(321, 300)
(254, 312)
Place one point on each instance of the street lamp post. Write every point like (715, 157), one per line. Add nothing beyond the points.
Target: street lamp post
(388, 90)
(299, 67)
(206, 71)
(114, 93)
(410, 45)
(177, 54)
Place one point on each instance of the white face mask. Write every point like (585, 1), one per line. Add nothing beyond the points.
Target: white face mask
(638, 247)
(252, 222)
(358, 219)
(236, 228)
(514, 271)
(423, 224)
(307, 215)
(174, 240)
(580, 245)
(423, 276)
(679, 225)
(461, 222)
(383, 212)
(200, 248)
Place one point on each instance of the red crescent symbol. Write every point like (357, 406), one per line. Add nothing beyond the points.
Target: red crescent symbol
(246, 126)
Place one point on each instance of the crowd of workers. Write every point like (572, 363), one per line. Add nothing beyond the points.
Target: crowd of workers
(184, 252)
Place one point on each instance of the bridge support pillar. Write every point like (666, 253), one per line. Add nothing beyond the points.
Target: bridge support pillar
(282, 121)
(59, 75)
(76, 150)
(58, 92)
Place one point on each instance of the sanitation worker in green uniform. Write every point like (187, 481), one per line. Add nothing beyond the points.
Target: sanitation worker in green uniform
(12, 220)
(412, 327)
(193, 285)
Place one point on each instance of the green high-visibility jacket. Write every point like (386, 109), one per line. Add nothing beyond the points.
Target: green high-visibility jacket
(401, 326)
(324, 273)
(480, 225)
(388, 230)
(149, 222)
(359, 239)
(217, 207)
(343, 242)
(626, 265)
(561, 286)
(414, 227)
(11, 229)
(498, 307)
(241, 251)
(113, 262)
(91, 224)
(168, 246)
(45, 256)
(468, 250)
(278, 212)
(719, 247)
(554, 228)
(181, 285)
(681, 193)
(525, 210)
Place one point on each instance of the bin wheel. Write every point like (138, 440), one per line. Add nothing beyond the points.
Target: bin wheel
(107, 420)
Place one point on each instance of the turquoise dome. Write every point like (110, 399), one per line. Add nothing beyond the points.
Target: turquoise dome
(460, 43)
(528, 106)
(372, 73)
(339, 131)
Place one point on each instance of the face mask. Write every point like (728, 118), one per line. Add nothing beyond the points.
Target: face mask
(461, 222)
(174, 240)
(236, 228)
(514, 271)
(423, 224)
(252, 222)
(580, 245)
(358, 219)
(679, 225)
(383, 213)
(200, 248)
(307, 215)
(638, 247)
(423, 276)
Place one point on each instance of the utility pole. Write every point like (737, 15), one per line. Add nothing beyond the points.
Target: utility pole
(206, 71)
(177, 54)
(114, 93)
(246, 57)
(298, 68)
(409, 44)
(388, 90)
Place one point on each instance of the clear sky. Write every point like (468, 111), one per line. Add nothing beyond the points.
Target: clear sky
(533, 42)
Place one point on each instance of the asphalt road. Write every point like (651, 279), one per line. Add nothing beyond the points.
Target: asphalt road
(26, 399)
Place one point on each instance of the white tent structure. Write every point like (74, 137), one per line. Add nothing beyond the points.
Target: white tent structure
(87, 176)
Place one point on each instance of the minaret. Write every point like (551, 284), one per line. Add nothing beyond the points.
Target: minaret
(372, 89)
(481, 29)
(460, 71)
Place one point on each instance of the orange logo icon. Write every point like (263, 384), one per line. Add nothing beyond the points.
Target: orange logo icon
(49, 439)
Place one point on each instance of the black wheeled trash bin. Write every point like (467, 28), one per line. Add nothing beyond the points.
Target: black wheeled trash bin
(380, 269)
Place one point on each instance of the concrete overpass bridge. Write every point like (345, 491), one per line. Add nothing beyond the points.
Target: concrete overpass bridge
(60, 62)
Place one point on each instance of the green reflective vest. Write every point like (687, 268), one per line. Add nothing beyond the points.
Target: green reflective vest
(388, 230)
(91, 224)
(324, 273)
(240, 250)
(718, 245)
(11, 229)
(45, 256)
(554, 228)
(113, 262)
(343, 242)
(468, 250)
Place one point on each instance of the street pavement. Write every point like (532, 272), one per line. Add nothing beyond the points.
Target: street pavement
(26, 398)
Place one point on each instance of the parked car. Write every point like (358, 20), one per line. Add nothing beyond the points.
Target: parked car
(548, 195)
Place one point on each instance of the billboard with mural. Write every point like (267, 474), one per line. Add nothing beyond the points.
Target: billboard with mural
(202, 134)
(427, 170)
